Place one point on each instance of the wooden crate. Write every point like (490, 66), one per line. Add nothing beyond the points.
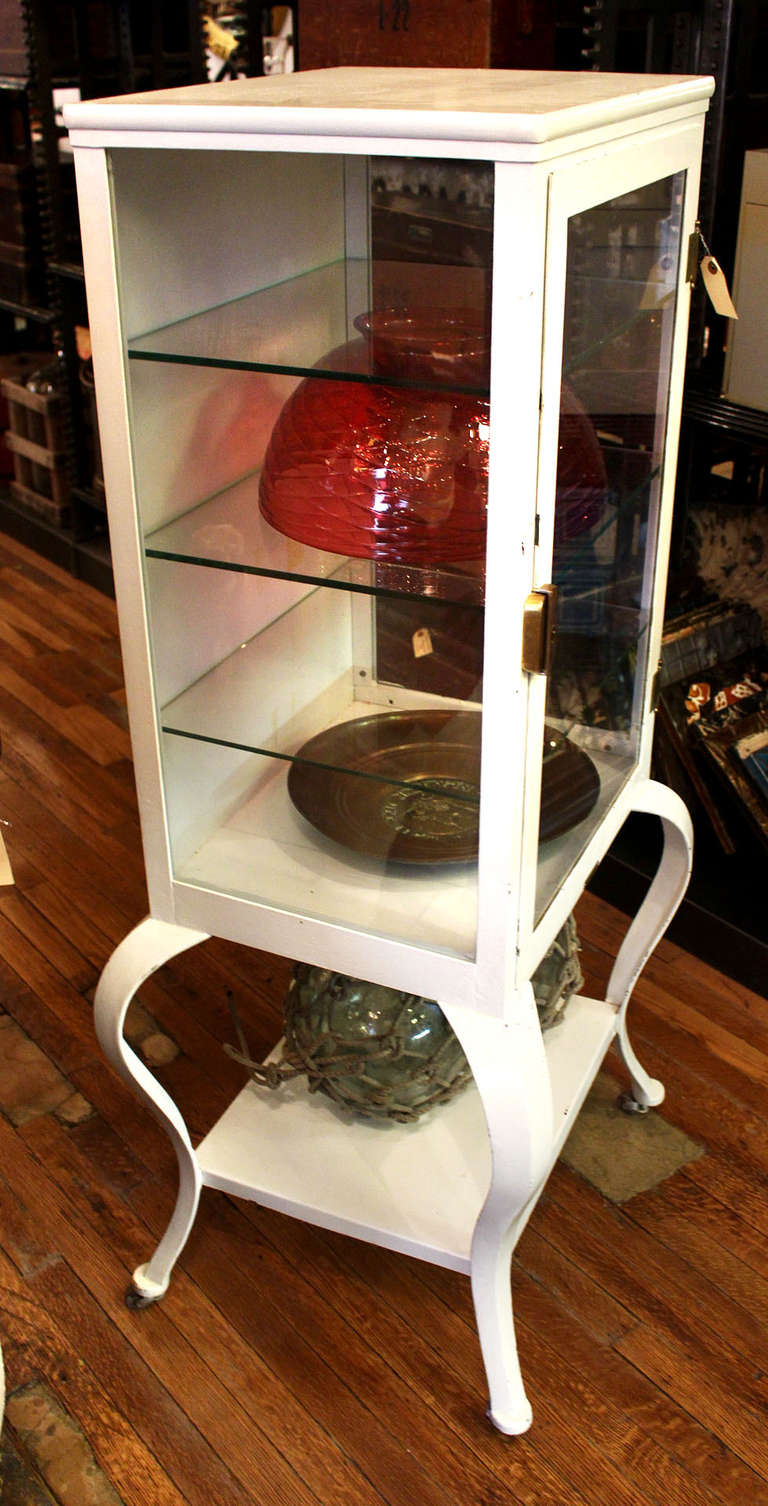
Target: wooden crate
(418, 34)
(19, 224)
(15, 366)
(14, 55)
(36, 441)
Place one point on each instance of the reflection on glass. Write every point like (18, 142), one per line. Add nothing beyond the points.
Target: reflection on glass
(321, 728)
(620, 304)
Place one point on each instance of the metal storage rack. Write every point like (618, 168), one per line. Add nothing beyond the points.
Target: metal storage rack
(110, 47)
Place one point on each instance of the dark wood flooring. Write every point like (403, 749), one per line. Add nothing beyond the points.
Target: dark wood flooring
(287, 1366)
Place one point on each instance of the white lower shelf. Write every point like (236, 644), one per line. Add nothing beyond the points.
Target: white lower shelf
(417, 1188)
(268, 851)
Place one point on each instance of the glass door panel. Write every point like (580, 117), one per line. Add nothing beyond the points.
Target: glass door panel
(621, 277)
(314, 557)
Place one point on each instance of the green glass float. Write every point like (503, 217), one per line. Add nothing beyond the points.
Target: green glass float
(558, 975)
(383, 1053)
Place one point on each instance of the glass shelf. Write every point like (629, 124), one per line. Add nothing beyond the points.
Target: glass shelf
(292, 769)
(251, 836)
(427, 821)
(301, 327)
(427, 785)
(226, 706)
(228, 532)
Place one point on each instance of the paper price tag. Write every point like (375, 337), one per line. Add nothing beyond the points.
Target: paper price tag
(422, 643)
(717, 287)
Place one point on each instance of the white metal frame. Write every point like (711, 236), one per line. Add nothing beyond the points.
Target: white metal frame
(451, 1197)
(459, 1188)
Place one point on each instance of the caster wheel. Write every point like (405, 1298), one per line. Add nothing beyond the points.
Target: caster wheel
(136, 1299)
(630, 1105)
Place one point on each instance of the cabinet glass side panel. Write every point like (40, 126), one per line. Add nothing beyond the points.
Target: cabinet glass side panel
(621, 279)
(311, 464)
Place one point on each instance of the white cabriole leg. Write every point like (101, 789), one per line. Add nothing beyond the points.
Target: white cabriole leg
(146, 948)
(660, 903)
(511, 1074)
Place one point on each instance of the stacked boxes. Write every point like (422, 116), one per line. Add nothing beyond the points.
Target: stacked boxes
(36, 441)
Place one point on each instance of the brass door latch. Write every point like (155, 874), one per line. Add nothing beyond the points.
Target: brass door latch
(539, 615)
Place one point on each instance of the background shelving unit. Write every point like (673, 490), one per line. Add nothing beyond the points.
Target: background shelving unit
(722, 917)
(107, 47)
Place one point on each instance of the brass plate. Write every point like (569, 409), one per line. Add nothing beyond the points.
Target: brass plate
(418, 799)
(570, 785)
(404, 786)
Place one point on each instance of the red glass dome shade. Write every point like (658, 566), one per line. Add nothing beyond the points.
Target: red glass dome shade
(392, 464)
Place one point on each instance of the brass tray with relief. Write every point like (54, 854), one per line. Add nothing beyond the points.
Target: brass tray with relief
(404, 786)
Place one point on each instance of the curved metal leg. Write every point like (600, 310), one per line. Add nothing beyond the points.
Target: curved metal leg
(146, 948)
(660, 903)
(510, 1070)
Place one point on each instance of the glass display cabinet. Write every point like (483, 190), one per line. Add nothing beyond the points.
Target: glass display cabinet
(389, 368)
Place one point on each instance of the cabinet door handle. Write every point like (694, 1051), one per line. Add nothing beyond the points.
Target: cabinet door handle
(539, 614)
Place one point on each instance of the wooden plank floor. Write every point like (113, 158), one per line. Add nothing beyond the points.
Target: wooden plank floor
(287, 1365)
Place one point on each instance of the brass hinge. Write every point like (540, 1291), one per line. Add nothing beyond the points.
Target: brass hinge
(695, 253)
(656, 689)
(539, 615)
(697, 248)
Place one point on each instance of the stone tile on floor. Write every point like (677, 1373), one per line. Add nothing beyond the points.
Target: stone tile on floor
(18, 1486)
(138, 1022)
(624, 1154)
(29, 1083)
(58, 1449)
(74, 1110)
(158, 1049)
